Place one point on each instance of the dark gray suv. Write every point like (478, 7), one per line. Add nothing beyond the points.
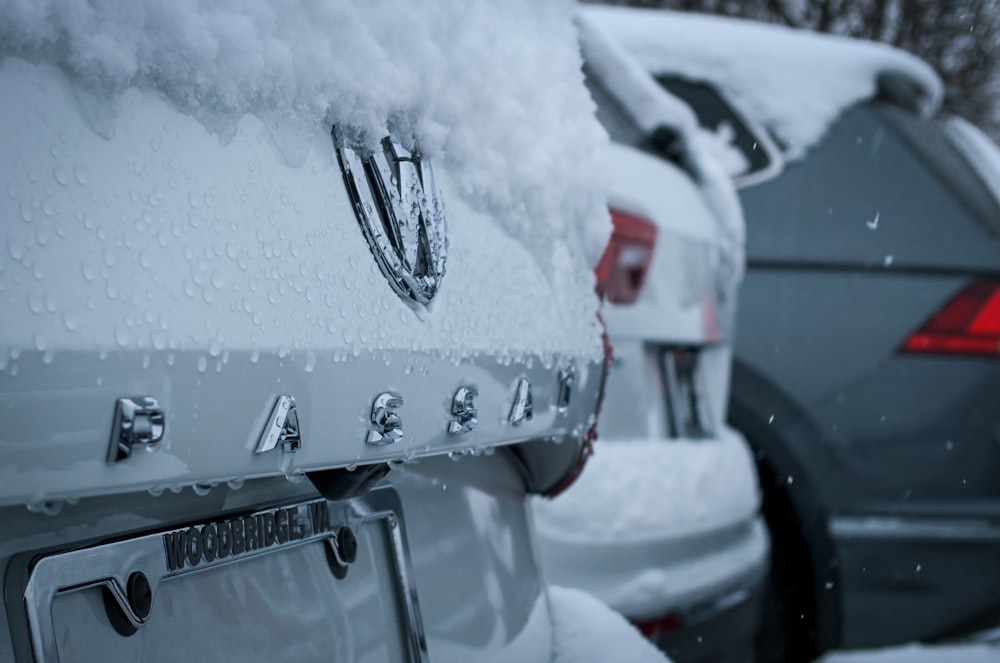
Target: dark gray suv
(867, 378)
(867, 356)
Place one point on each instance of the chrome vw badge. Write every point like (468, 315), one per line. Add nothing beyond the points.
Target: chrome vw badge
(399, 208)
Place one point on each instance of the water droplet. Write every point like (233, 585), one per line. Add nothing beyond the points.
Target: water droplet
(25, 213)
(47, 507)
(48, 356)
(202, 364)
(214, 347)
(295, 475)
(16, 250)
(61, 173)
(40, 343)
(255, 356)
(81, 175)
(36, 302)
(235, 484)
(70, 321)
(201, 489)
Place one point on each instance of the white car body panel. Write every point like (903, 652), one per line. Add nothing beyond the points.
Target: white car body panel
(620, 537)
(213, 275)
(174, 265)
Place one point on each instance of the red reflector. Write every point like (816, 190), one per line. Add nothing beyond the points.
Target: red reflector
(622, 269)
(587, 449)
(651, 627)
(969, 324)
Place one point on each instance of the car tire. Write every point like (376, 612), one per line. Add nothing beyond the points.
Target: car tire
(788, 632)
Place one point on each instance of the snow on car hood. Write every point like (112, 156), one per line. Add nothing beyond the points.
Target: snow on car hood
(794, 82)
(435, 75)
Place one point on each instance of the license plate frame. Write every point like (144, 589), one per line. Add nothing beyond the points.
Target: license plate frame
(169, 554)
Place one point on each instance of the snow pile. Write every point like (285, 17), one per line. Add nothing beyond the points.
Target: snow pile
(657, 526)
(971, 653)
(651, 107)
(640, 490)
(447, 77)
(587, 630)
(565, 626)
(794, 82)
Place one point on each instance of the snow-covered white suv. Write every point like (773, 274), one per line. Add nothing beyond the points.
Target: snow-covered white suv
(664, 524)
(272, 387)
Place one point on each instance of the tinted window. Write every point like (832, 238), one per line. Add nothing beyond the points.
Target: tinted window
(713, 112)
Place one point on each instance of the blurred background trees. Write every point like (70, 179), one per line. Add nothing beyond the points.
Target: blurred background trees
(959, 38)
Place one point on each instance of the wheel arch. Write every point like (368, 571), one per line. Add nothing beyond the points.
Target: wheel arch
(771, 420)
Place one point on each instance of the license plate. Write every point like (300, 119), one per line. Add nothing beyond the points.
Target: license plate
(311, 581)
(688, 412)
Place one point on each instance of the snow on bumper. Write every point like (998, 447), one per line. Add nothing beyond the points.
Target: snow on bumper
(657, 525)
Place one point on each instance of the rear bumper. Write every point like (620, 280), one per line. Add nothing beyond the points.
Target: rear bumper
(937, 578)
(718, 631)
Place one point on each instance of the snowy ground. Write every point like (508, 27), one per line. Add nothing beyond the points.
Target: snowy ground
(971, 653)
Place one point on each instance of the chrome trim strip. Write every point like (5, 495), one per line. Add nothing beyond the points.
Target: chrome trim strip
(892, 528)
(109, 565)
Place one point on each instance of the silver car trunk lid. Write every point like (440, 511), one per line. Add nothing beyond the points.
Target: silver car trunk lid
(183, 310)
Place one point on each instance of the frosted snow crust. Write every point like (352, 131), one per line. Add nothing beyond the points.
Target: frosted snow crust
(794, 82)
(143, 230)
(652, 489)
(494, 88)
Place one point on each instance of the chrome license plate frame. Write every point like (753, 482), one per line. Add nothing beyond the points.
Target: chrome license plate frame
(165, 555)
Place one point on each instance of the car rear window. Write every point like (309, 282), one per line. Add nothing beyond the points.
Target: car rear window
(929, 143)
(713, 112)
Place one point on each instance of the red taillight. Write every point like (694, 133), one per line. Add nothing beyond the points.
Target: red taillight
(969, 324)
(653, 627)
(587, 448)
(622, 270)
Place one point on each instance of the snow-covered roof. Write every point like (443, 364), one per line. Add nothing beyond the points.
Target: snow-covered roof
(650, 106)
(795, 82)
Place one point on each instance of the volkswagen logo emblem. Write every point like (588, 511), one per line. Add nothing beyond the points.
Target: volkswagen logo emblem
(399, 208)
